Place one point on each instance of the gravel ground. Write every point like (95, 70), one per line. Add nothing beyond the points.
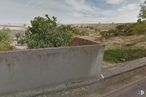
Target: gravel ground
(81, 92)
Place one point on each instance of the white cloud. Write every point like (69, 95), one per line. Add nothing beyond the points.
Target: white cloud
(83, 12)
(81, 8)
(127, 13)
(114, 1)
(68, 11)
(130, 7)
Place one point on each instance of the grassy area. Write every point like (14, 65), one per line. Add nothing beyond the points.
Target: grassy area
(124, 54)
(139, 28)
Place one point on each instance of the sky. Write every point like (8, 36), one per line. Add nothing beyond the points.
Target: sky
(70, 11)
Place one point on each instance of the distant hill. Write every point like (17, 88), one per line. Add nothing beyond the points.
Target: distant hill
(96, 26)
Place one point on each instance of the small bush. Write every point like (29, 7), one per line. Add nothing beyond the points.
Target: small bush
(124, 54)
(123, 30)
(106, 34)
(138, 28)
(120, 30)
(5, 40)
(20, 38)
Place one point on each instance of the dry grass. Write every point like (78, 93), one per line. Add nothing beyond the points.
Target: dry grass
(125, 41)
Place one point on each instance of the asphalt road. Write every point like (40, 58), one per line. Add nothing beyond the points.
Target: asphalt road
(136, 90)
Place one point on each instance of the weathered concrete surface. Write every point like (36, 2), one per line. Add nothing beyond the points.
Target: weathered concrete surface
(124, 67)
(30, 69)
(94, 87)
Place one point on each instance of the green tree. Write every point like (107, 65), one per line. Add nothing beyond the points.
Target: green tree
(46, 32)
(142, 14)
(5, 40)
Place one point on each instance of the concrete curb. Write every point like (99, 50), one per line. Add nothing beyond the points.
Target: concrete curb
(124, 67)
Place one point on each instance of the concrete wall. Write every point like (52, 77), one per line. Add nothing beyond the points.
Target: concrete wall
(22, 70)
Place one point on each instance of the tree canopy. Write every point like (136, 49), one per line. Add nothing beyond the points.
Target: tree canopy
(142, 14)
(46, 32)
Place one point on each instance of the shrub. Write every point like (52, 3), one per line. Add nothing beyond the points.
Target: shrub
(106, 34)
(20, 38)
(5, 40)
(124, 30)
(120, 30)
(46, 32)
(138, 28)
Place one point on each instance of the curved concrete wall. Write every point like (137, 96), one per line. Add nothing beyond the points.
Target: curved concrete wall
(22, 70)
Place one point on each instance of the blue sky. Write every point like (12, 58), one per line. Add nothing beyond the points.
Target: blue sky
(70, 11)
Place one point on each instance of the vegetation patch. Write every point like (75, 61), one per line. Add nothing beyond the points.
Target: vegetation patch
(128, 29)
(124, 54)
(139, 28)
(46, 32)
(5, 40)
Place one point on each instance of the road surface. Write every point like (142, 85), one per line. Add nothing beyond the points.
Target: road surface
(136, 90)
